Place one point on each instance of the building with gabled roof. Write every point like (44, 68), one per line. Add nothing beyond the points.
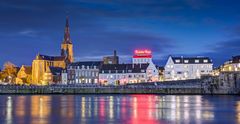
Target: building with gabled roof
(121, 74)
(183, 68)
(24, 75)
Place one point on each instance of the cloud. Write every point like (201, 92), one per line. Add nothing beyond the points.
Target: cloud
(223, 51)
(29, 33)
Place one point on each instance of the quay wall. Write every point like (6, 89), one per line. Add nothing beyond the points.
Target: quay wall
(99, 90)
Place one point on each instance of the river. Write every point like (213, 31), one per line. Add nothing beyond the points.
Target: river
(122, 109)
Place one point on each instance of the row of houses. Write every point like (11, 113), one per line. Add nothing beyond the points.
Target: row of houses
(142, 69)
(110, 72)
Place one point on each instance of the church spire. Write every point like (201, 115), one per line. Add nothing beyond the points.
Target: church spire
(67, 39)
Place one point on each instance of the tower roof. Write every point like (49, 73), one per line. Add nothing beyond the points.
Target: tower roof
(67, 39)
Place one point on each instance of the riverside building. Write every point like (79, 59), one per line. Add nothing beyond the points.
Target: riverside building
(120, 74)
(86, 72)
(142, 69)
(183, 68)
(231, 65)
(45, 69)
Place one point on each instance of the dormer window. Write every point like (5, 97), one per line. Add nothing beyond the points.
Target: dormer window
(186, 61)
(196, 61)
(177, 61)
(205, 61)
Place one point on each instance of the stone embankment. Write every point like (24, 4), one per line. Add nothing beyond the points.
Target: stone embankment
(225, 83)
(174, 87)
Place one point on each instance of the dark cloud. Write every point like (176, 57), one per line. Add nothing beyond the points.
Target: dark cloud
(223, 51)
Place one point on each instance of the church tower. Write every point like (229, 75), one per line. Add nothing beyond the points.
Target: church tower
(67, 46)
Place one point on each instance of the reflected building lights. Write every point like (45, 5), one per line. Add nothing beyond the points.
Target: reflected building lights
(238, 111)
(102, 108)
(63, 105)
(89, 106)
(111, 115)
(9, 110)
(135, 107)
(83, 108)
(96, 106)
(20, 106)
(131, 109)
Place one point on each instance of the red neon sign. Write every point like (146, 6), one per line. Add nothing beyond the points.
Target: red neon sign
(142, 54)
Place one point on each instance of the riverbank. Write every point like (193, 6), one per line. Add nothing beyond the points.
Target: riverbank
(184, 87)
(101, 90)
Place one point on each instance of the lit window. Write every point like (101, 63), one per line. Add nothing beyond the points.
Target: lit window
(177, 61)
(205, 61)
(196, 61)
(185, 61)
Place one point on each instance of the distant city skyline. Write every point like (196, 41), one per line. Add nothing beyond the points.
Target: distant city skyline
(185, 27)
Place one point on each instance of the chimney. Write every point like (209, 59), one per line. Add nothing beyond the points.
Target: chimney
(115, 53)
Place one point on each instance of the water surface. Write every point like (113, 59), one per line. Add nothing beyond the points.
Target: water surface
(122, 109)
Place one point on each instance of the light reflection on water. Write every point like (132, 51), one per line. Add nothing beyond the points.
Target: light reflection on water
(127, 109)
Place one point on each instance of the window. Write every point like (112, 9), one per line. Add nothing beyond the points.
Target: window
(205, 61)
(179, 72)
(177, 61)
(186, 61)
(196, 61)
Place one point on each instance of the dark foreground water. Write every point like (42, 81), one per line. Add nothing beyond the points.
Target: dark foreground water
(123, 109)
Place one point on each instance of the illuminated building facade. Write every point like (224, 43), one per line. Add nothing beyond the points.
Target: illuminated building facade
(231, 65)
(82, 72)
(142, 57)
(141, 70)
(145, 57)
(42, 68)
(24, 75)
(45, 69)
(183, 68)
(120, 74)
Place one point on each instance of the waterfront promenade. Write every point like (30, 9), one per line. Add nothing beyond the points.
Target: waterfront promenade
(175, 87)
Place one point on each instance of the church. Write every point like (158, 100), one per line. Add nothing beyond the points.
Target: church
(47, 69)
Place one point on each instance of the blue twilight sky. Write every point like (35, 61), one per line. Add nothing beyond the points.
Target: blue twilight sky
(167, 27)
